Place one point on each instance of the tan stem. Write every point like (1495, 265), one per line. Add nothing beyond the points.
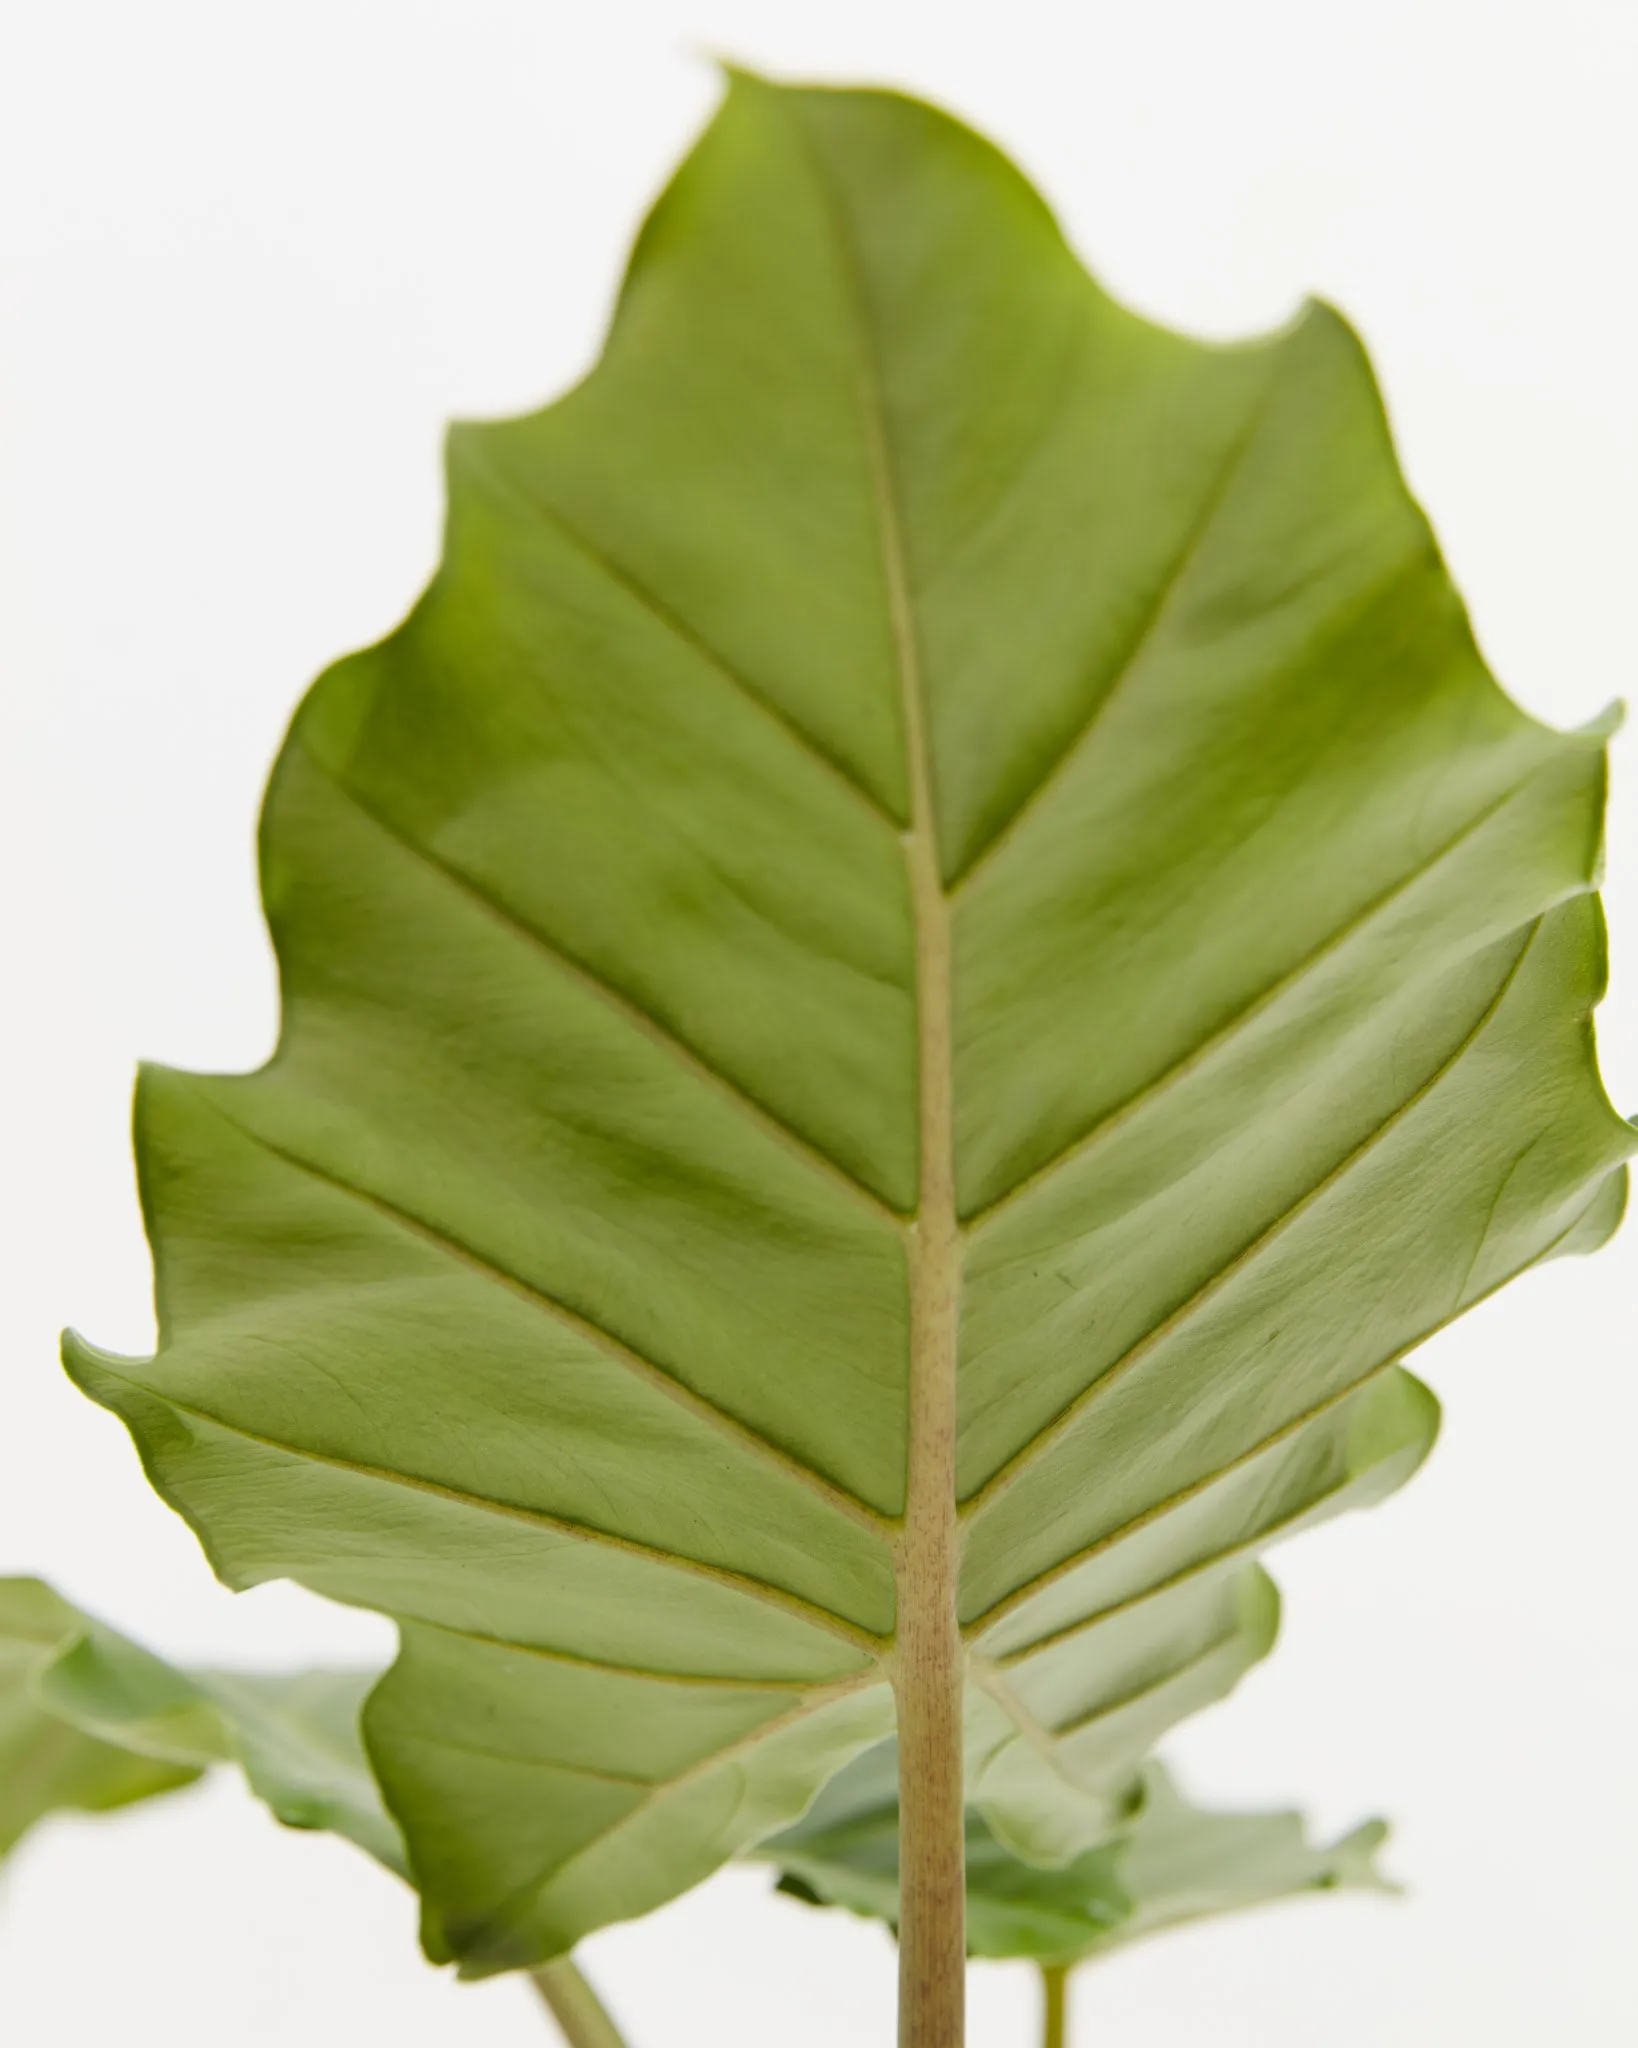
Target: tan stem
(1054, 2005)
(928, 1678)
(576, 2007)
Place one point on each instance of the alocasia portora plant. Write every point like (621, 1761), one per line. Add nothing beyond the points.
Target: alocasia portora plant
(926, 959)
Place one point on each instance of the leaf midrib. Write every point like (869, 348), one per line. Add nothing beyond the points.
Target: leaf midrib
(928, 1664)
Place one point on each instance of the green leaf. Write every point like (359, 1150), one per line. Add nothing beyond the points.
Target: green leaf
(910, 786)
(295, 1734)
(1176, 1862)
(1186, 1863)
(47, 1763)
(80, 1690)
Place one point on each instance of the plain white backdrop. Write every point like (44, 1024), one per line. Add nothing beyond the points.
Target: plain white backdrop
(251, 259)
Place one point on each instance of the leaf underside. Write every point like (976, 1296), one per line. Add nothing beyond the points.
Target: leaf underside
(547, 1290)
(1176, 1862)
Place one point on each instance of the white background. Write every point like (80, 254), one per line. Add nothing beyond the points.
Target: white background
(251, 258)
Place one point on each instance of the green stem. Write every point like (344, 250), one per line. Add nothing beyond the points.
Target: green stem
(1054, 2005)
(575, 2006)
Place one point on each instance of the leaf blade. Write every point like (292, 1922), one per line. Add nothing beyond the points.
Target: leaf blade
(552, 1289)
(48, 1764)
(1176, 1862)
(92, 1719)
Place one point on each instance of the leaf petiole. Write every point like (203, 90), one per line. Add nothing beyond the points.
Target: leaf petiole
(579, 2012)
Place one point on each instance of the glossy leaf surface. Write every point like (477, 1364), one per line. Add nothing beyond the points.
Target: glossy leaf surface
(900, 707)
(1177, 1862)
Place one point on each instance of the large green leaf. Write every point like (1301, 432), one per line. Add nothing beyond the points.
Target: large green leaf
(911, 787)
(88, 1718)
(48, 1763)
(1175, 1862)
(295, 1734)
